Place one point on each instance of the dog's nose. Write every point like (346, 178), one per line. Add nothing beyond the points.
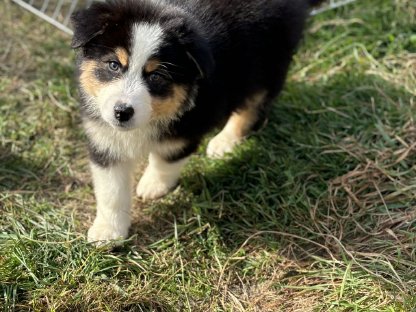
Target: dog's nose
(123, 113)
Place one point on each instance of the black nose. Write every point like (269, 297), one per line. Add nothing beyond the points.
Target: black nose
(123, 113)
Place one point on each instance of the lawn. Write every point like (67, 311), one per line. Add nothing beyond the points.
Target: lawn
(315, 212)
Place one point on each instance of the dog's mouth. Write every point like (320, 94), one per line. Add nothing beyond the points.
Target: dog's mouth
(122, 126)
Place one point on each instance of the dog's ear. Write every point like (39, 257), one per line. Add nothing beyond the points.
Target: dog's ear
(200, 54)
(195, 45)
(89, 23)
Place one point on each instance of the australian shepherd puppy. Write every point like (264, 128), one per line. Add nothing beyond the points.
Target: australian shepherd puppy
(156, 75)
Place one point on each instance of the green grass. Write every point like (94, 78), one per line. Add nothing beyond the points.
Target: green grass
(316, 212)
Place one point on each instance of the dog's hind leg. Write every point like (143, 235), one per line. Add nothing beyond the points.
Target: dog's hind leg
(238, 126)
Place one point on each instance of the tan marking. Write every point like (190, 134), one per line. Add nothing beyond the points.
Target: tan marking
(151, 65)
(169, 147)
(88, 80)
(122, 56)
(168, 107)
(242, 120)
(238, 126)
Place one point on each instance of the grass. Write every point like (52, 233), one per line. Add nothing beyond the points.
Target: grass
(316, 212)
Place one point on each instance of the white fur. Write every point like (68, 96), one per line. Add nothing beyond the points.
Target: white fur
(112, 188)
(131, 90)
(122, 91)
(123, 145)
(146, 40)
(159, 178)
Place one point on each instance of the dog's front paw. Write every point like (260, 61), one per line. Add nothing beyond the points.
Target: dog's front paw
(152, 186)
(223, 143)
(101, 232)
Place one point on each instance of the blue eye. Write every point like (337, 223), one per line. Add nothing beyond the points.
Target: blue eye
(155, 78)
(114, 66)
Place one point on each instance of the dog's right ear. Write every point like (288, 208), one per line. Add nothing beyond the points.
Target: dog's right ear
(89, 23)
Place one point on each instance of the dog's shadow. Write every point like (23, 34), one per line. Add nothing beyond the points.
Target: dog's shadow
(279, 180)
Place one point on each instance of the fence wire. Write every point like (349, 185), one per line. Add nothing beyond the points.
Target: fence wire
(58, 12)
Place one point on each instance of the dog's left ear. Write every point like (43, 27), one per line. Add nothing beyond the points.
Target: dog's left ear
(89, 23)
(195, 45)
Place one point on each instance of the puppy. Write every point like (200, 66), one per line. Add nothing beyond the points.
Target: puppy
(156, 75)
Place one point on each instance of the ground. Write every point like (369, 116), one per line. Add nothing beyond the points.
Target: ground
(315, 212)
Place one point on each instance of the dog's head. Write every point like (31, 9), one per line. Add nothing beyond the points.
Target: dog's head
(139, 61)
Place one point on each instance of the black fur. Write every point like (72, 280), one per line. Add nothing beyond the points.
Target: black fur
(252, 43)
(102, 158)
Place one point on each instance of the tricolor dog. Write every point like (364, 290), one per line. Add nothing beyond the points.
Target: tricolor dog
(156, 75)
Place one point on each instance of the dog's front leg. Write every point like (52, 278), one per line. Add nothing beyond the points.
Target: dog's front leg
(112, 186)
(160, 177)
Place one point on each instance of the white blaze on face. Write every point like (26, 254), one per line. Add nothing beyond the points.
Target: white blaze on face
(131, 89)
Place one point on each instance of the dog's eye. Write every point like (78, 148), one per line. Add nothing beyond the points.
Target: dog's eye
(158, 83)
(114, 66)
(155, 78)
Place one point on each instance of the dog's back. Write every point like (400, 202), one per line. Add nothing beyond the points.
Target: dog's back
(252, 44)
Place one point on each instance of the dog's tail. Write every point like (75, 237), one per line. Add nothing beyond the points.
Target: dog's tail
(315, 2)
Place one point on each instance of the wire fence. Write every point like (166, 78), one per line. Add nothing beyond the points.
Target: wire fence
(58, 12)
